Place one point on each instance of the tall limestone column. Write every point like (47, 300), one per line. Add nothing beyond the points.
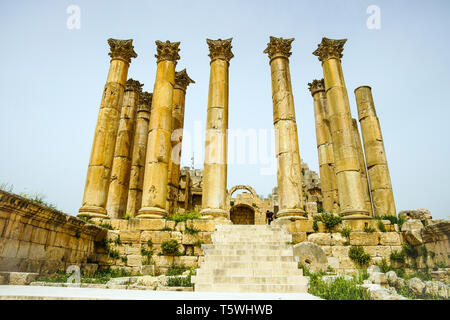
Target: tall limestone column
(289, 174)
(102, 152)
(377, 167)
(350, 189)
(324, 148)
(215, 164)
(158, 146)
(120, 173)
(362, 167)
(182, 80)
(134, 200)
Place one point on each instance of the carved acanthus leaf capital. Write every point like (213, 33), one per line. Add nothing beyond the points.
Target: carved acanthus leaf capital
(330, 49)
(279, 47)
(316, 86)
(220, 49)
(182, 80)
(121, 49)
(134, 85)
(146, 101)
(167, 51)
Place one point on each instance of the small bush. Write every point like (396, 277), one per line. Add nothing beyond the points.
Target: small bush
(339, 289)
(198, 243)
(315, 226)
(441, 264)
(184, 216)
(424, 253)
(384, 266)
(345, 232)
(124, 259)
(368, 229)
(410, 251)
(106, 226)
(113, 253)
(192, 231)
(148, 256)
(329, 219)
(397, 256)
(170, 247)
(127, 216)
(381, 226)
(359, 256)
(118, 241)
(175, 270)
(150, 242)
(180, 282)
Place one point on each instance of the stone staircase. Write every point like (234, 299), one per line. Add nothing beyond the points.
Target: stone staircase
(249, 258)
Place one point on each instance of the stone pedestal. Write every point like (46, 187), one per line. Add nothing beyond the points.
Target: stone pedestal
(362, 167)
(289, 175)
(102, 152)
(154, 195)
(120, 173)
(328, 181)
(215, 166)
(134, 200)
(351, 196)
(377, 167)
(182, 80)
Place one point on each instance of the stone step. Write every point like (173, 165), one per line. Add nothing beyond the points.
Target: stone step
(256, 236)
(249, 272)
(252, 258)
(234, 227)
(245, 264)
(274, 288)
(247, 279)
(251, 246)
(250, 252)
(250, 231)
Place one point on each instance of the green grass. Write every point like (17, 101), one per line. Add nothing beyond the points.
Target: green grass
(198, 243)
(180, 282)
(101, 277)
(339, 289)
(175, 270)
(359, 256)
(398, 256)
(184, 216)
(369, 229)
(381, 226)
(345, 232)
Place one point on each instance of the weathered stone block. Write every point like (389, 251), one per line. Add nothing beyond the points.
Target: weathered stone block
(130, 236)
(322, 239)
(37, 251)
(364, 238)
(304, 226)
(338, 239)
(390, 239)
(298, 237)
(204, 225)
(311, 255)
(176, 235)
(152, 224)
(188, 261)
(170, 224)
(10, 248)
(134, 260)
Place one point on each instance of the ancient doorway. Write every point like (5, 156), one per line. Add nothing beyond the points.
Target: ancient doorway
(242, 214)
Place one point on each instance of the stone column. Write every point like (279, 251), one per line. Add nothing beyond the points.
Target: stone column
(351, 196)
(182, 80)
(362, 167)
(102, 152)
(324, 148)
(289, 174)
(134, 200)
(377, 167)
(120, 173)
(215, 165)
(158, 146)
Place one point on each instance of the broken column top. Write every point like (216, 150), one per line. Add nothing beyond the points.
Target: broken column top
(133, 85)
(316, 86)
(182, 80)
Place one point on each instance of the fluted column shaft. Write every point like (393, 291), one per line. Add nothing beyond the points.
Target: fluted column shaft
(158, 146)
(289, 174)
(351, 196)
(325, 152)
(214, 191)
(120, 173)
(362, 167)
(377, 167)
(182, 80)
(134, 199)
(102, 152)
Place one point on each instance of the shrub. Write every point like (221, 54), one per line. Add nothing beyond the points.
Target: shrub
(231, 203)
(359, 256)
(368, 229)
(192, 231)
(180, 282)
(381, 226)
(345, 232)
(148, 256)
(184, 216)
(106, 226)
(441, 264)
(410, 251)
(339, 289)
(170, 247)
(315, 226)
(329, 219)
(124, 259)
(384, 266)
(175, 270)
(127, 216)
(118, 241)
(113, 253)
(424, 253)
(150, 242)
(398, 256)
(198, 243)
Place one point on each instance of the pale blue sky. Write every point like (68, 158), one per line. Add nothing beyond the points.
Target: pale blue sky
(52, 78)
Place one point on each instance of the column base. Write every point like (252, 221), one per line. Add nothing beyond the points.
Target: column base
(209, 213)
(291, 214)
(355, 215)
(92, 212)
(151, 213)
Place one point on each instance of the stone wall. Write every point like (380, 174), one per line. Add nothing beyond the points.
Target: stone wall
(35, 238)
(436, 238)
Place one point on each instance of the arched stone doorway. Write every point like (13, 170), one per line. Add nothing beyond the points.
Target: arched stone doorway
(242, 214)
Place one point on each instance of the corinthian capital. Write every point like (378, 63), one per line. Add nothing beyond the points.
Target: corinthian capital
(182, 80)
(146, 101)
(316, 86)
(220, 49)
(121, 49)
(134, 85)
(279, 47)
(330, 49)
(167, 51)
